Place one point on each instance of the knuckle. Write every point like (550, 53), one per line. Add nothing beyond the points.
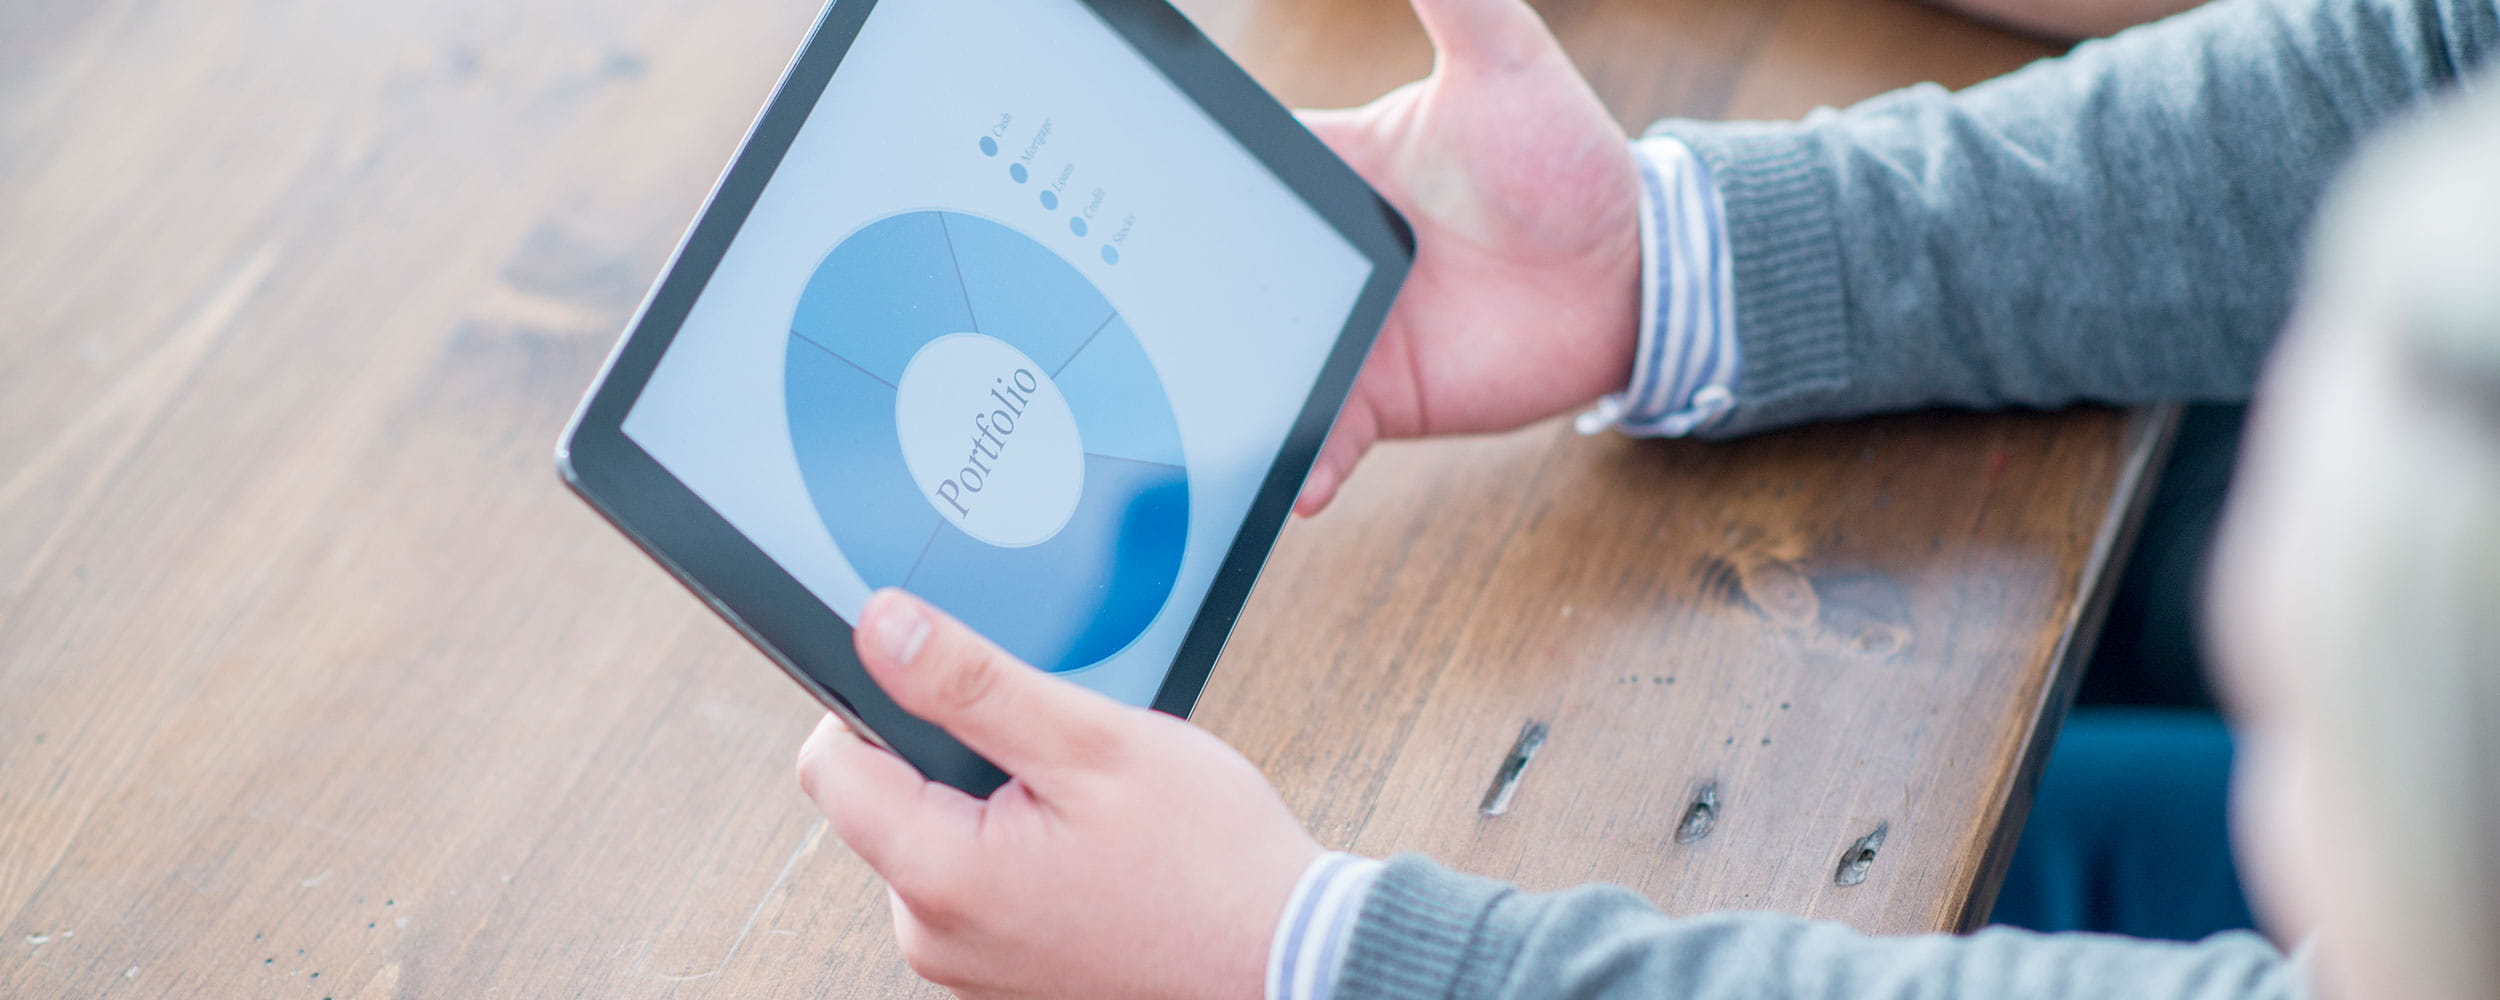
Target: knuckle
(928, 874)
(807, 775)
(1096, 743)
(941, 904)
(855, 831)
(922, 953)
(973, 680)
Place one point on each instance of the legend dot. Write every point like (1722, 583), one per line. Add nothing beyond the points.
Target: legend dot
(1016, 170)
(1111, 255)
(989, 146)
(1050, 200)
(1077, 225)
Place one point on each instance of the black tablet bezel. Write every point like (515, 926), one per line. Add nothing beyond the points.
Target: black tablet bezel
(772, 609)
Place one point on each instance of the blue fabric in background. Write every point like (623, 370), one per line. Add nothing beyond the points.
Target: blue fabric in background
(2129, 833)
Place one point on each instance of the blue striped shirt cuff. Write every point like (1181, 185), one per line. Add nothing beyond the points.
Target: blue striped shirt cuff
(1684, 369)
(1303, 959)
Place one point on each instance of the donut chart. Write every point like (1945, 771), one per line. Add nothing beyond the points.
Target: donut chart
(975, 423)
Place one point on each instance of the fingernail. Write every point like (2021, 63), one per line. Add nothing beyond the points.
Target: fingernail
(898, 629)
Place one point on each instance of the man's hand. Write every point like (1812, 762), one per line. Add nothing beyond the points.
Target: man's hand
(1133, 855)
(1525, 297)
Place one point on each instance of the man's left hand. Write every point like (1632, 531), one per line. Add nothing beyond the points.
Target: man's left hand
(1132, 854)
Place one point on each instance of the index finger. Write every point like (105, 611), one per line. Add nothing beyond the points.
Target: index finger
(902, 824)
(1022, 719)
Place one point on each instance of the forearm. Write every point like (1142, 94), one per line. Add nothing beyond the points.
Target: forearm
(1425, 931)
(2118, 225)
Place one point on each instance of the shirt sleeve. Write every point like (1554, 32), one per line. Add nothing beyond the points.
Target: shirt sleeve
(1685, 366)
(1309, 945)
(2123, 224)
(1425, 931)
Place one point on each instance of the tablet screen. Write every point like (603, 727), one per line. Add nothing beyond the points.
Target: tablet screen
(1015, 326)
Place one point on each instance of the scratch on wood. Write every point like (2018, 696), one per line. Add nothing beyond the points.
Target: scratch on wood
(506, 304)
(93, 444)
(807, 846)
(1506, 780)
(1860, 857)
(150, 380)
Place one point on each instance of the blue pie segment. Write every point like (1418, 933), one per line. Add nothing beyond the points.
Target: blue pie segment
(842, 422)
(1077, 597)
(1024, 294)
(1074, 600)
(882, 293)
(1115, 419)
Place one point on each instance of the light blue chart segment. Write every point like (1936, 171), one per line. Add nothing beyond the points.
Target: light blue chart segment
(1087, 591)
(881, 294)
(1028, 296)
(1119, 421)
(860, 467)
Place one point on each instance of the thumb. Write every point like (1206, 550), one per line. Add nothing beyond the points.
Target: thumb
(1483, 34)
(1023, 720)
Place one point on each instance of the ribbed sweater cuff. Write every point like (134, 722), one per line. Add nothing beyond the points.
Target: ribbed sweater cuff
(1791, 310)
(1428, 932)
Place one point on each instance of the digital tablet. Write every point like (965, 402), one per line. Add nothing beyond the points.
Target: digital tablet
(1039, 309)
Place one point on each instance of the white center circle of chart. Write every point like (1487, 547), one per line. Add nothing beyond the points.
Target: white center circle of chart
(989, 439)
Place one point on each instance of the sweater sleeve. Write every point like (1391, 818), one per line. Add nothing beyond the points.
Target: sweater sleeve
(2122, 224)
(1427, 932)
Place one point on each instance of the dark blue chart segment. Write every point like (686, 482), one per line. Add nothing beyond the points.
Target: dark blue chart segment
(1077, 596)
(1087, 592)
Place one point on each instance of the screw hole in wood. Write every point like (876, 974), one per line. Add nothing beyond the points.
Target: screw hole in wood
(1700, 816)
(1860, 857)
(1506, 778)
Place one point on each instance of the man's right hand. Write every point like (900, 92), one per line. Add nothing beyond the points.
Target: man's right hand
(1524, 197)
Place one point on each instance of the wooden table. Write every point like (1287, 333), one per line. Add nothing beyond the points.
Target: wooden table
(314, 683)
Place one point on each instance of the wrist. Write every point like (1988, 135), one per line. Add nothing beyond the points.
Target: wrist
(1625, 274)
(1628, 346)
(1685, 355)
(1624, 335)
(1308, 945)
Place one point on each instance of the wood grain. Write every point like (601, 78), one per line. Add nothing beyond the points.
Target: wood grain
(314, 683)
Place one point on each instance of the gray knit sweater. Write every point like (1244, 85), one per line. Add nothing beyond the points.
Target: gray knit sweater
(1428, 932)
(2122, 224)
